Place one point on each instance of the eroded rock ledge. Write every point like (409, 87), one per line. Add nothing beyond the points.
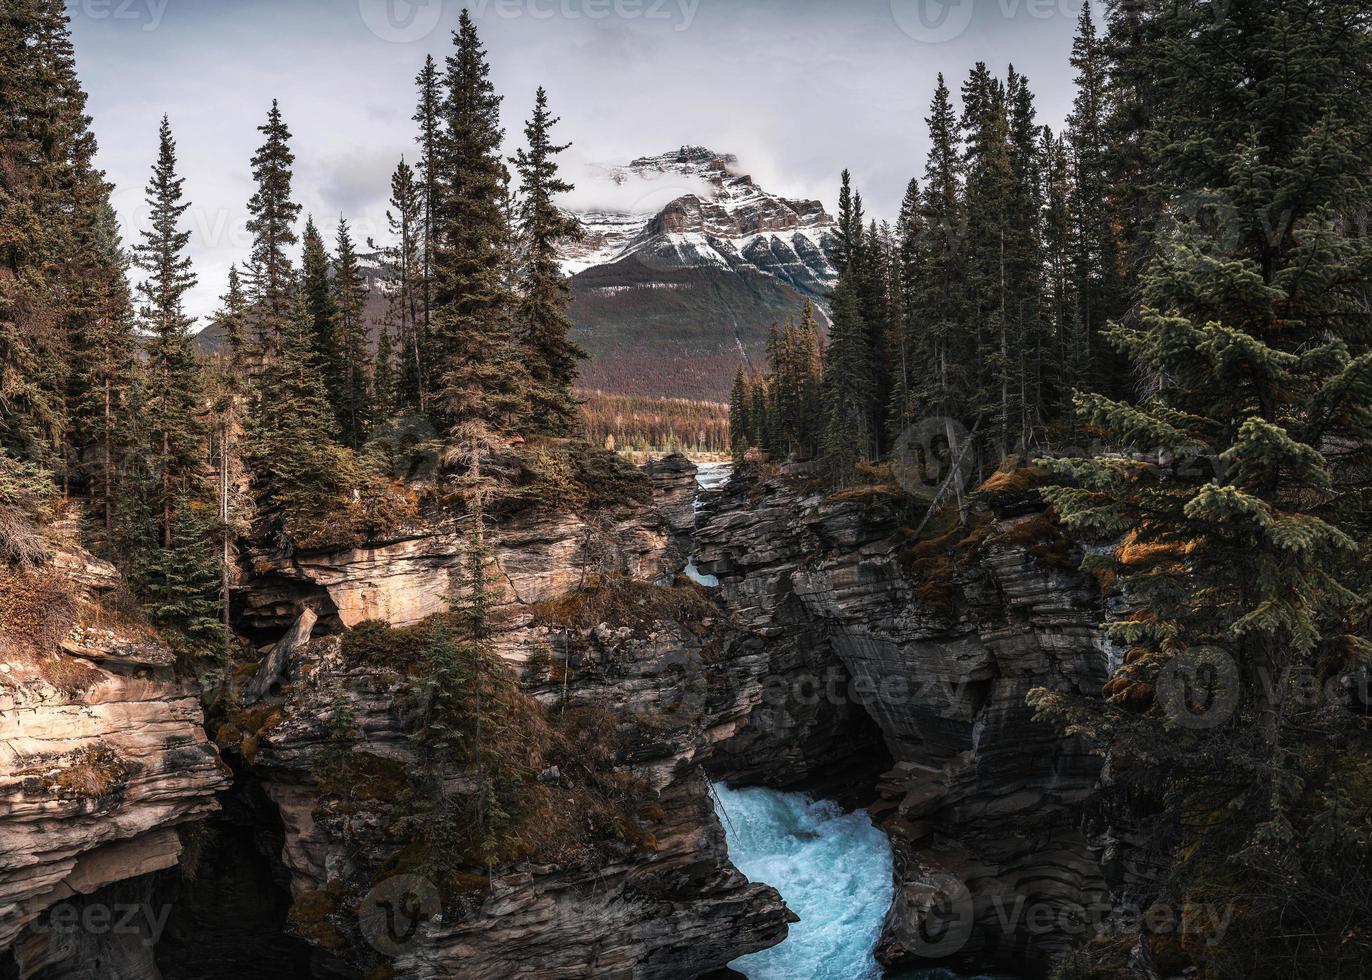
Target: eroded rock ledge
(943, 642)
(103, 757)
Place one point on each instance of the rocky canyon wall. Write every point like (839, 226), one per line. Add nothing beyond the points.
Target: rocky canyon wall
(941, 640)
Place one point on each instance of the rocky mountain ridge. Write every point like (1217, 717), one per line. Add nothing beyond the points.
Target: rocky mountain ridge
(673, 290)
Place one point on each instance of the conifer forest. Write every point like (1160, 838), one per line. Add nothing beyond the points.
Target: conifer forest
(922, 531)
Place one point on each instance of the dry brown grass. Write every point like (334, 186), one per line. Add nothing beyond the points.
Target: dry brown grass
(621, 601)
(37, 609)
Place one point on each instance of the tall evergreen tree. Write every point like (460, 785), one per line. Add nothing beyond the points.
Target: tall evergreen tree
(848, 435)
(103, 367)
(429, 115)
(272, 222)
(985, 315)
(318, 292)
(740, 415)
(406, 280)
(1095, 258)
(350, 299)
(939, 296)
(384, 388)
(543, 291)
(483, 377)
(912, 356)
(232, 319)
(173, 412)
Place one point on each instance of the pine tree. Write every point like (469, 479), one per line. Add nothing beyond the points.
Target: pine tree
(351, 408)
(406, 281)
(1029, 337)
(985, 315)
(428, 115)
(58, 273)
(1069, 370)
(912, 355)
(319, 295)
(939, 295)
(1236, 524)
(848, 436)
(301, 474)
(232, 319)
(182, 579)
(740, 415)
(544, 294)
(103, 366)
(172, 412)
(272, 222)
(1095, 258)
(483, 379)
(383, 396)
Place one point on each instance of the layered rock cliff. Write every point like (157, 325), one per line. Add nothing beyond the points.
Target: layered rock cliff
(616, 679)
(942, 640)
(103, 760)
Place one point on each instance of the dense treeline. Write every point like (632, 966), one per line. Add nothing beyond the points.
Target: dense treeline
(646, 422)
(1183, 281)
(295, 433)
(985, 303)
(101, 390)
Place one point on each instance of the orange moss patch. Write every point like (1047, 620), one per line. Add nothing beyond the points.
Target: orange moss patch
(1138, 555)
(1013, 478)
(93, 774)
(866, 493)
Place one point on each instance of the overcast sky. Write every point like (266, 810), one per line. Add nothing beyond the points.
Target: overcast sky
(797, 89)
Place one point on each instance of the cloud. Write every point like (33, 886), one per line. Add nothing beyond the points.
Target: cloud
(601, 187)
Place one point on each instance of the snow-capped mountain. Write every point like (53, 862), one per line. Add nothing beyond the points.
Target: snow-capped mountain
(721, 218)
(674, 286)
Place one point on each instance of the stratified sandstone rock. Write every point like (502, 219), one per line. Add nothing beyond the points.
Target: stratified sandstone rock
(538, 553)
(102, 756)
(983, 803)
